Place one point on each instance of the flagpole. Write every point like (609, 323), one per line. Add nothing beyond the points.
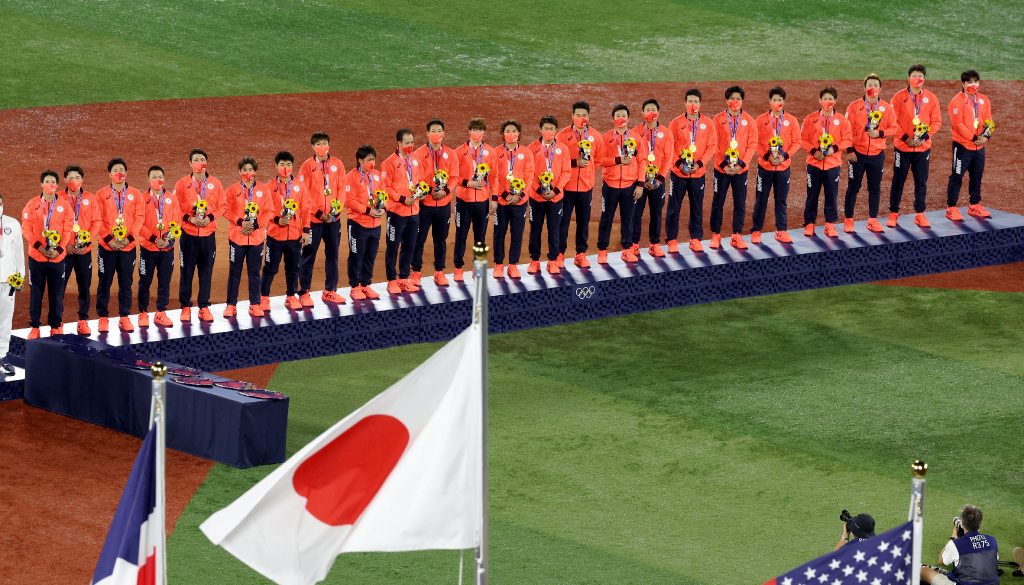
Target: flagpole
(480, 251)
(158, 417)
(919, 470)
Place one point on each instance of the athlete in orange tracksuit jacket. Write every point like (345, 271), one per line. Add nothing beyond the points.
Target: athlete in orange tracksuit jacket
(473, 192)
(622, 184)
(402, 176)
(918, 118)
(157, 247)
(970, 114)
(79, 259)
(435, 158)
(579, 190)
(513, 164)
(736, 131)
(198, 246)
(365, 212)
(695, 135)
(323, 175)
(122, 208)
(287, 231)
(655, 151)
(867, 153)
(247, 234)
(549, 156)
(49, 212)
(773, 163)
(824, 159)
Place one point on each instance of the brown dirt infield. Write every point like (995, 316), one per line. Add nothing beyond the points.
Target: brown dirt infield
(46, 517)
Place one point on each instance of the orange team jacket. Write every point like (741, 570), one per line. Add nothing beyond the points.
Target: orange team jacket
(236, 197)
(581, 179)
(430, 161)
(661, 136)
(857, 113)
(838, 126)
(469, 158)
(85, 212)
(33, 222)
(189, 191)
(963, 111)
(397, 172)
(312, 173)
(615, 174)
(133, 206)
(746, 136)
(519, 163)
(358, 193)
(788, 127)
(552, 157)
(927, 106)
(154, 214)
(280, 191)
(701, 132)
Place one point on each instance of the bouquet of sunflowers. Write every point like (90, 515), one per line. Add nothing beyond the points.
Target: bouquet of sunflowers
(173, 233)
(419, 190)
(921, 131)
(629, 146)
(990, 127)
(200, 208)
(119, 232)
(379, 199)
(585, 148)
(775, 144)
(686, 155)
(291, 207)
(16, 281)
(441, 179)
(732, 156)
(83, 238)
(252, 210)
(545, 179)
(516, 186)
(651, 175)
(336, 208)
(825, 143)
(52, 238)
(481, 172)
(874, 120)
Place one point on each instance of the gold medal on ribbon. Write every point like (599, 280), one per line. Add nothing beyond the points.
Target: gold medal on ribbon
(510, 176)
(733, 143)
(650, 157)
(76, 228)
(120, 220)
(693, 147)
(976, 124)
(327, 191)
(916, 120)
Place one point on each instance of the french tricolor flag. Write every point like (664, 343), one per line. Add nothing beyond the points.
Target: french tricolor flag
(133, 553)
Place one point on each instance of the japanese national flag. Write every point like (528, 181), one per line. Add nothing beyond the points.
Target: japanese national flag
(401, 473)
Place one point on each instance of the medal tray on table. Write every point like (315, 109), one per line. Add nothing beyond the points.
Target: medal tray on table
(193, 381)
(235, 385)
(263, 394)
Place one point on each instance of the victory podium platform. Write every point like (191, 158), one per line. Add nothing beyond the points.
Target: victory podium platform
(439, 313)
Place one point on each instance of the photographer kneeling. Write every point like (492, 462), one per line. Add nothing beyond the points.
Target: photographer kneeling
(855, 528)
(972, 554)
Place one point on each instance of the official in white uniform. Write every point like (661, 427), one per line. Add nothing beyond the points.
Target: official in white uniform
(12, 260)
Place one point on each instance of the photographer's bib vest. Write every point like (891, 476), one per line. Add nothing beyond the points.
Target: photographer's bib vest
(977, 564)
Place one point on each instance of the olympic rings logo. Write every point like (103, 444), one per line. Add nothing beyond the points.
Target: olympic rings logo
(585, 292)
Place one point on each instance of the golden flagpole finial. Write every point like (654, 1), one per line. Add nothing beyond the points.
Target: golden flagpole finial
(480, 251)
(159, 370)
(919, 468)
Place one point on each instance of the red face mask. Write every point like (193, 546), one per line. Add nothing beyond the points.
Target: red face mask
(117, 177)
(476, 135)
(436, 137)
(650, 116)
(74, 184)
(199, 166)
(734, 104)
(156, 184)
(49, 188)
(777, 106)
(248, 176)
(547, 135)
(621, 122)
(972, 88)
(828, 104)
(284, 172)
(872, 91)
(511, 137)
(916, 82)
(579, 121)
(408, 148)
(369, 164)
(692, 108)
(321, 150)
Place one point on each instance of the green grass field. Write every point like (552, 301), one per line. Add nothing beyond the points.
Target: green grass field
(671, 446)
(182, 49)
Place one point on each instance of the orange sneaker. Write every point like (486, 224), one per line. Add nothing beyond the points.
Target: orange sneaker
(513, 271)
(143, 319)
(125, 324)
(440, 279)
(635, 249)
(499, 271)
(255, 311)
(737, 242)
(406, 285)
(83, 328)
(457, 275)
(393, 288)
(553, 267)
(755, 237)
(534, 267)
(602, 256)
(370, 293)
(783, 238)
(848, 225)
(953, 214)
(305, 300)
(102, 325)
(893, 219)
(356, 294)
(416, 277)
(162, 319)
(875, 226)
(186, 315)
(265, 303)
(205, 314)
(656, 252)
(33, 333)
(332, 297)
(716, 241)
(561, 260)
(921, 220)
(830, 230)
(696, 246)
(978, 210)
(581, 260)
(673, 246)
(292, 303)
(628, 255)
(809, 230)
(58, 330)
(229, 311)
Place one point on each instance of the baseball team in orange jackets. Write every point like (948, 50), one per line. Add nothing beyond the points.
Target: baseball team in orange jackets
(650, 166)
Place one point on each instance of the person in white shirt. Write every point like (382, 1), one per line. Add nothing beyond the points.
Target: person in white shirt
(12, 261)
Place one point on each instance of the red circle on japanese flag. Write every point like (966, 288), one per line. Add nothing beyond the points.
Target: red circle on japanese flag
(341, 479)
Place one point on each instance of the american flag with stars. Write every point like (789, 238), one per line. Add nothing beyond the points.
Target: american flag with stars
(880, 560)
